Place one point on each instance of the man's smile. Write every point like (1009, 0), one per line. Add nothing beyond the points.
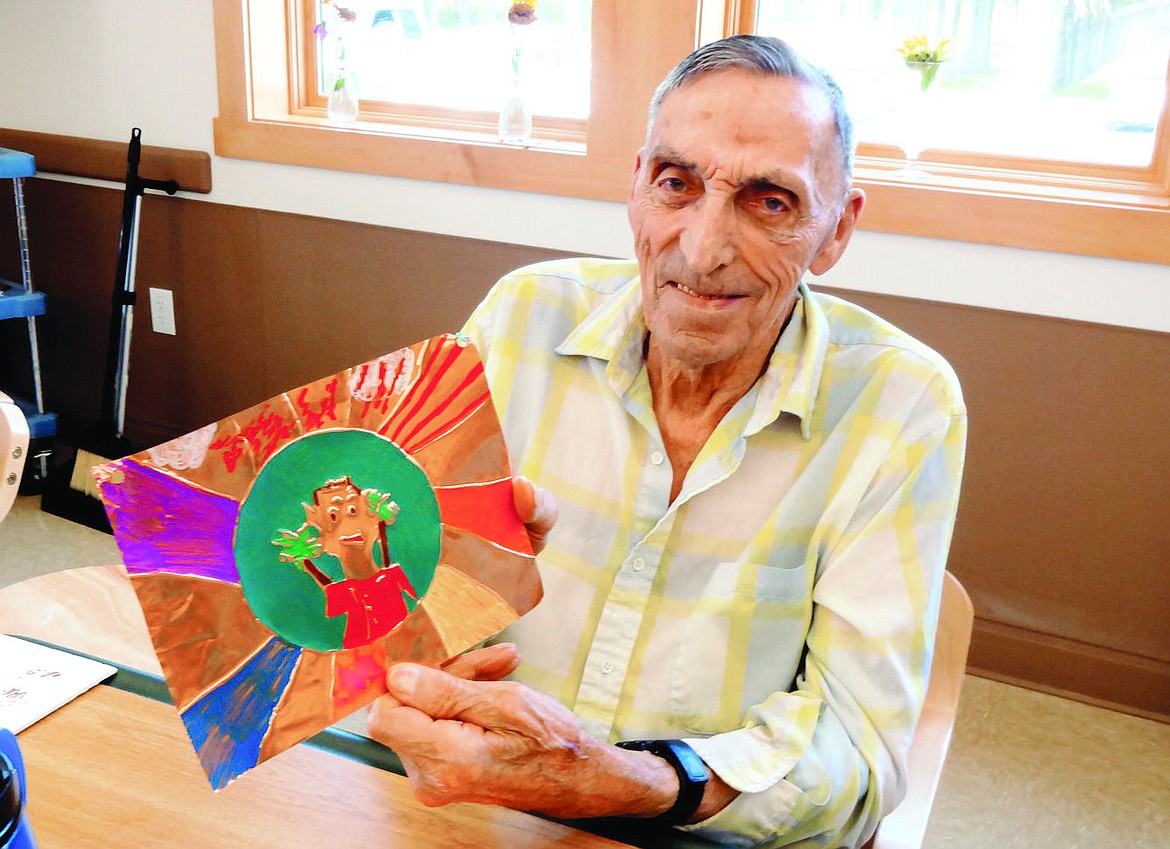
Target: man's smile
(351, 539)
(687, 290)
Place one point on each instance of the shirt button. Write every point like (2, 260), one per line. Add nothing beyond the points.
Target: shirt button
(657, 457)
(639, 564)
(606, 667)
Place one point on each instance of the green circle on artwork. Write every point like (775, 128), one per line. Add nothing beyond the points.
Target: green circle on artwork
(285, 596)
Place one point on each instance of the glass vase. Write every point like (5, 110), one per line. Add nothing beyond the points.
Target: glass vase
(915, 116)
(516, 117)
(342, 106)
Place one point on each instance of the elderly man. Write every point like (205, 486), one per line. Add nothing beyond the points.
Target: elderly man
(756, 483)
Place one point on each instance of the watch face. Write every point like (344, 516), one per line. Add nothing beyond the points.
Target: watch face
(689, 760)
(692, 775)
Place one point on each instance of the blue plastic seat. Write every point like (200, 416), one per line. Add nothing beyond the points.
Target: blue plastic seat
(15, 302)
(14, 163)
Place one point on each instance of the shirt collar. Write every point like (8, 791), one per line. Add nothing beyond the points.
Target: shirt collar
(793, 376)
(615, 332)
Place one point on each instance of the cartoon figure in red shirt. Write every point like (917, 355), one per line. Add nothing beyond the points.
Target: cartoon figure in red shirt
(347, 522)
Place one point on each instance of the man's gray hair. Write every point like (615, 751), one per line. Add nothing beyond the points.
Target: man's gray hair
(765, 55)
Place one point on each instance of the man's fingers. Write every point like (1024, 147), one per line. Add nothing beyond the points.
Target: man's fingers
(389, 721)
(487, 664)
(537, 509)
(436, 693)
(488, 704)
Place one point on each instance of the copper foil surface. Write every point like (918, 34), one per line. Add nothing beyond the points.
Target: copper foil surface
(286, 556)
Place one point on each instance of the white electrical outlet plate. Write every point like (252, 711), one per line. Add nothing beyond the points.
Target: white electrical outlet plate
(162, 311)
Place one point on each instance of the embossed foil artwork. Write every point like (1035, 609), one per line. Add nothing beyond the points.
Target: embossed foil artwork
(285, 556)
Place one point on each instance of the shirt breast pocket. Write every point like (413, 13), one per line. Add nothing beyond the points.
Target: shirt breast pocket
(742, 640)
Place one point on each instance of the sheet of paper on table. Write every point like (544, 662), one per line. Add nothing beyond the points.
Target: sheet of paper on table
(35, 680)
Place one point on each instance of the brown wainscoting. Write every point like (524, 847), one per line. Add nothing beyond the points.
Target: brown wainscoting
(1063, 539)
(263, 300)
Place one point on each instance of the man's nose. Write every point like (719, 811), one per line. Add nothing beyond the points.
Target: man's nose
(708, 239)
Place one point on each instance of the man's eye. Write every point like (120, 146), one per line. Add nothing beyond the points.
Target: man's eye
(672, 184)
(333, 513)
(351, 510)
(773, 205)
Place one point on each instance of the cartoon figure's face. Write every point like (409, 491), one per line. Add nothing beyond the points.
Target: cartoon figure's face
(346, 525)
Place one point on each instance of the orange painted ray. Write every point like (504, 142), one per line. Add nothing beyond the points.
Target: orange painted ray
(486, 510)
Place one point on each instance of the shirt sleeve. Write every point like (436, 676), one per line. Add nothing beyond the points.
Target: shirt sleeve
(825, 762)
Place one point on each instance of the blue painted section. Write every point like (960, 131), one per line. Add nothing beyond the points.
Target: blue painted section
(229, 724)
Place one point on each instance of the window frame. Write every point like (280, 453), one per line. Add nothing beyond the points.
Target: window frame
(264, 116)
(1093, 210)
(1120, 212)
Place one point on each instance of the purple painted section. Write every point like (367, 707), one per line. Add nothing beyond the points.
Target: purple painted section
(163, 524)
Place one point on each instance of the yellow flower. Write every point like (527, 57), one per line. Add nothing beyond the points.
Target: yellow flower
(916, 48)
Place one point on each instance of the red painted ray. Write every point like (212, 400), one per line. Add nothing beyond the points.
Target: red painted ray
(433, 368)
(441, 426)
(449, 389)
(486, 510)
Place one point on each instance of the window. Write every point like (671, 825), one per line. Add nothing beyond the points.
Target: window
(1048, 128)
(1115, 205)
(424, 121)
(454, 55)
(1070, 81)
(450, 66)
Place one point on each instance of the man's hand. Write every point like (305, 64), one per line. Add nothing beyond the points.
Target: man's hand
(499, 742)
(486, 664)
(537, 509)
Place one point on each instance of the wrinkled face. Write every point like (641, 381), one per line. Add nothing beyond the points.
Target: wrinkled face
(738, 191)
(343, 520)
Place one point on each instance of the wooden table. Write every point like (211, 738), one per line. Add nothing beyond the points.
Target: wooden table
(116, 769)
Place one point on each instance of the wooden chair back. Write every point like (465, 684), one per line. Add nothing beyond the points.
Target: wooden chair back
(905, 826)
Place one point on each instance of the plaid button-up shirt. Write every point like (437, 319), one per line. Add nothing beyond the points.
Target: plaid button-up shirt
(780, 613)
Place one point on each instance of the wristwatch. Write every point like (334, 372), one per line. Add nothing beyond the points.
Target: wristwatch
(692, 775)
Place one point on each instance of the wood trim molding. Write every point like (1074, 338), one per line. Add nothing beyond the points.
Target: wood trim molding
(1121, 229)
(106, 160)
(1091, 674)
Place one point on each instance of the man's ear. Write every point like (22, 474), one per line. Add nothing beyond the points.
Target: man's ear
(637, 171)
(311, 515)
(835, 245)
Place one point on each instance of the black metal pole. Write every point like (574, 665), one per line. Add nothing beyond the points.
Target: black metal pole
(109, 426)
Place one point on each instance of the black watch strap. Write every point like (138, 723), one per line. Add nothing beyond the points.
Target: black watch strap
(692, 775)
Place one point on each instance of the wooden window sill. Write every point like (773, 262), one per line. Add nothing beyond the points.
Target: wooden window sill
(1114, 213)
